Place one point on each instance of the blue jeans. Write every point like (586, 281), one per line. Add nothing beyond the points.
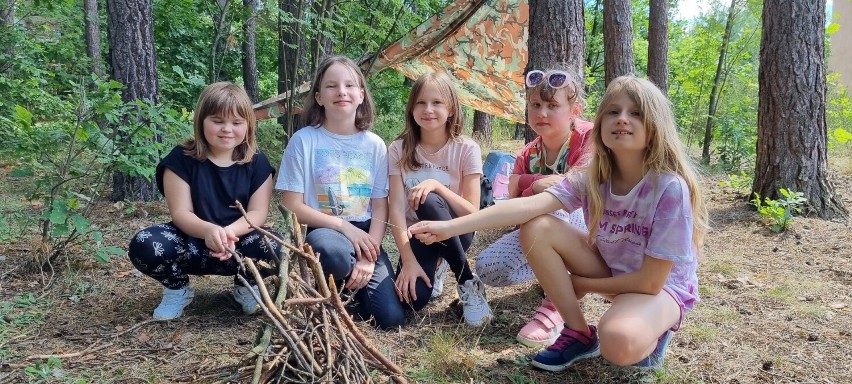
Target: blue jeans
(378, 300)
(169, 256)
(452, 250)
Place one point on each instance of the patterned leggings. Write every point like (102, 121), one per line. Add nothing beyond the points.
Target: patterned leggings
(504, 263)
(169, 256)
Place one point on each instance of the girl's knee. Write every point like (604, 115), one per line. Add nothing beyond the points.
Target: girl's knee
(390, 318)
(619, 345)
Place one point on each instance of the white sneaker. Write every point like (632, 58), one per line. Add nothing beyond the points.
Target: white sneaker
(474, 304)
(243, 297)
(440, 276)
(173, 303)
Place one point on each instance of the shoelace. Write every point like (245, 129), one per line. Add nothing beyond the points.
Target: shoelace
(468, 296)
(563, 341)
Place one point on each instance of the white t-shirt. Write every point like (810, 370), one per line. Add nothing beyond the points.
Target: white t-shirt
(338, 174)
(455, 160)
(654, 219)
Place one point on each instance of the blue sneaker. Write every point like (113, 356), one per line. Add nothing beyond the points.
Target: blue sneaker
(570, 347)
(655, 359)
(173, 303)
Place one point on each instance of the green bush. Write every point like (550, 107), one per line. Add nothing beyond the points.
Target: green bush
(780, 212)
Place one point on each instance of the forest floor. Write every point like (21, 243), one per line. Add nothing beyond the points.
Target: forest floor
(775, 308)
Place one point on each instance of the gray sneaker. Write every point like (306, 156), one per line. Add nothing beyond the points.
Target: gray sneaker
(173, 303)
(475, 306)
(440, 276)
(244, 298)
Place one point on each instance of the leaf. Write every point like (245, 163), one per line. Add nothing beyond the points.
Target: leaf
(80, 223)
(24, 116)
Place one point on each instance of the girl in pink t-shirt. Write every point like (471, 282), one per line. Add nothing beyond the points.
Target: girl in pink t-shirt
(646, 221)
(434, 175)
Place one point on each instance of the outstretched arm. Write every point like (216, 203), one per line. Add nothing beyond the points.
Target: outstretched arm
(510, 212)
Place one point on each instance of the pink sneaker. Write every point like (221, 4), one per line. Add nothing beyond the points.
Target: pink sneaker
(543, 329)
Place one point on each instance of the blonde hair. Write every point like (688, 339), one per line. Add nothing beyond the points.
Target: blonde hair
(664, 153)
(365, 114)
(412, 135)
(222, 99)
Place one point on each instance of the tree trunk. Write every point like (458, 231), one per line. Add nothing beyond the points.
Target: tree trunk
(618, 39)
(250, 52)
(7, 21)
(219, 48)
(658, 44)
(791, 141)
(482, 127)
(557, 34)
(291, 59)
(93, 37)
(134, 64)
(323, 46)
(717, 82)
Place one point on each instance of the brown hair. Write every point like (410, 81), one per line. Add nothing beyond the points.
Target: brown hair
(365, 114)
(412, 135)
(574, 89)
(222, 99)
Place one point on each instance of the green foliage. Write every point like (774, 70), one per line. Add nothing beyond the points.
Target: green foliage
(780, 212)
(838, 113)
(69, 153)
(741, 181)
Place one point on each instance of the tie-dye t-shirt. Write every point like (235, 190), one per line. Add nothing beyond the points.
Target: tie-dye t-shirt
(654, 219)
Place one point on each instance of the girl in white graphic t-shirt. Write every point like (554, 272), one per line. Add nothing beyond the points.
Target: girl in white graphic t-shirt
(646, 221)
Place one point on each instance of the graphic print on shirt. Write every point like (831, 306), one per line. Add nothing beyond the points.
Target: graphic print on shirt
(427, 171)
(343, 181)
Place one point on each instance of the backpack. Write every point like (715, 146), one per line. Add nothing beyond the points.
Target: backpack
(486, 198)
(497, 168)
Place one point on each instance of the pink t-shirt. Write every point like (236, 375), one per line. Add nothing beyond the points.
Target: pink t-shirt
(654, 219)
(455, 160)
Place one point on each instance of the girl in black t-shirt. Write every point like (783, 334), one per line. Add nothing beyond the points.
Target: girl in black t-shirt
(201, 179)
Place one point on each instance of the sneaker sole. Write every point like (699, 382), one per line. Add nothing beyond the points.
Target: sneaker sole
(532, 343)
(562, 367)
(536, 343)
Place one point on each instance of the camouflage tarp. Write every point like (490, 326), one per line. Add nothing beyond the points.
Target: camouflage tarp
(480, 44)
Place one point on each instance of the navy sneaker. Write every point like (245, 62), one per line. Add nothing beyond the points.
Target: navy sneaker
(569, 347)
(655, 359)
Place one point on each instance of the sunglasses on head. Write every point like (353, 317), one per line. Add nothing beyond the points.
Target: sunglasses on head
(555, 79)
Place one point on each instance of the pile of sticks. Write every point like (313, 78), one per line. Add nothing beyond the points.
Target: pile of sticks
(310, 338)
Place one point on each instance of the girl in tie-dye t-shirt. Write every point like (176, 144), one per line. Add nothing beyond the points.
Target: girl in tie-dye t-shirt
(646, 220)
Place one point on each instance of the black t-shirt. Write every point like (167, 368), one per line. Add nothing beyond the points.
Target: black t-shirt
(214, 189)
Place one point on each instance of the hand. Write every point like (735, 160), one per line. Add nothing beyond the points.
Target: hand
(418, 194)
(221, 241)
(361, 274)
(366, 247)
(543, 183)
(406, 281)
(429, 232)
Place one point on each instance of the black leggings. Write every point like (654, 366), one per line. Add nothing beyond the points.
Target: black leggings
(169, 256)
(452, 250)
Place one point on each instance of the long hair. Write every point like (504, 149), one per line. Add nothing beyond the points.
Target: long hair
(222, 99)
(664, 153)
(365, 114)
(412, 134)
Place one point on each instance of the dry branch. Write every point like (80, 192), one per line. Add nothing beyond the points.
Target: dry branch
(312, 338)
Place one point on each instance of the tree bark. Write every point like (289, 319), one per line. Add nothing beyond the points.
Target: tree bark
(791, 142)
(482, 127)
(7, 21)
(250, 52)
(658, 44)
(291, 58)
(134, 64)
(219, 48)
(557, 35)
(717, 83)
(618, 39)
(93, 37)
